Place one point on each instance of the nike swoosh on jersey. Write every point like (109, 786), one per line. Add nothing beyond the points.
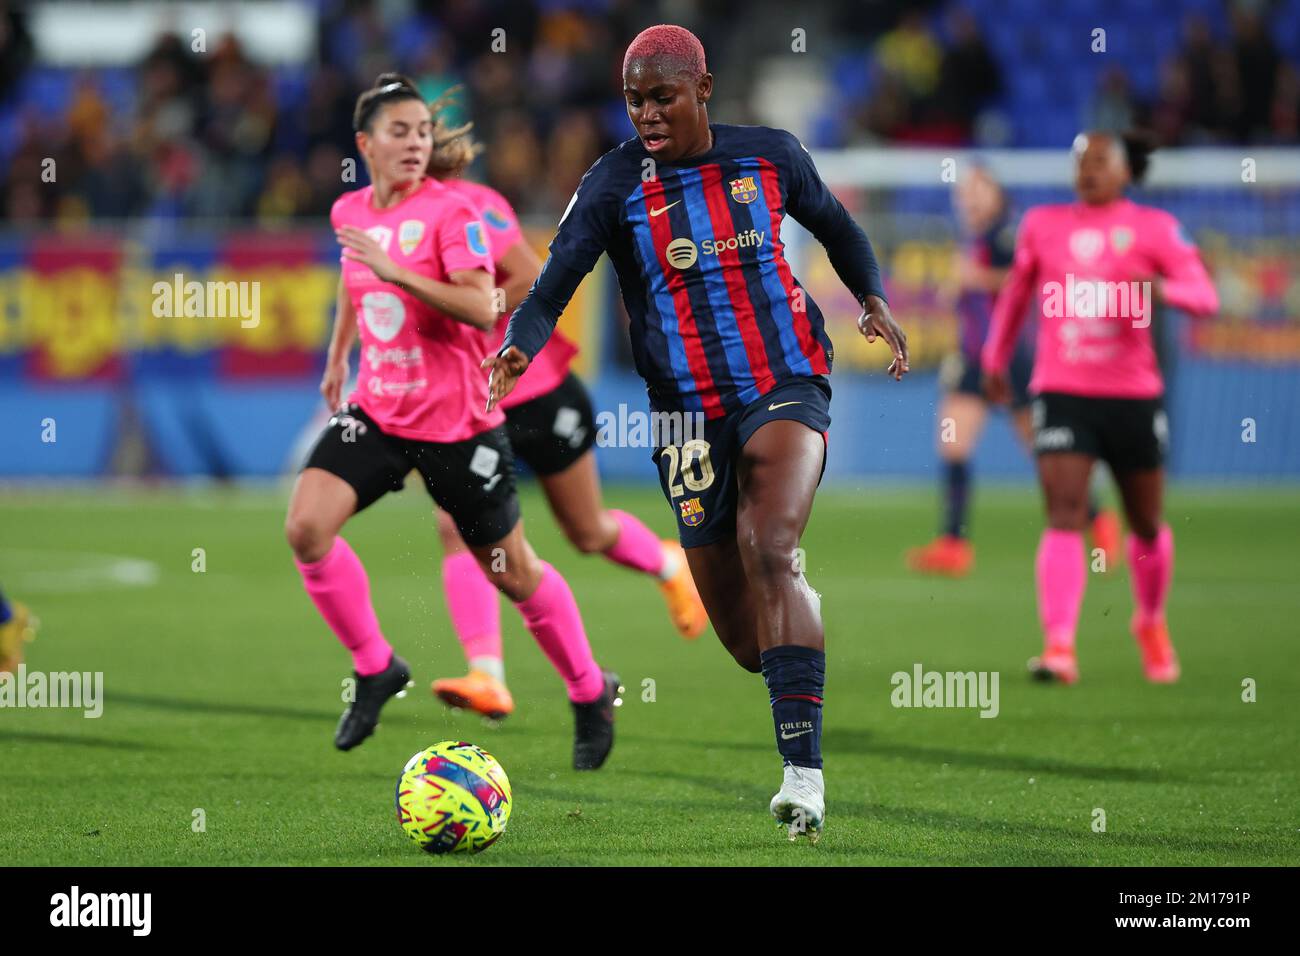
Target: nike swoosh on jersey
(785, 736)
(773, 407)
(655, 212)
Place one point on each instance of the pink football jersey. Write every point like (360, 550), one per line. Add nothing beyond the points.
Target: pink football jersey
(419, 373)
(550, 367)
(1089, 266)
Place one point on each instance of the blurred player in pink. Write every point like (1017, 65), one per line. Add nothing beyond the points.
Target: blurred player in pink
(981, 267)
(552, 427)
(1098, 267)
(418, 271)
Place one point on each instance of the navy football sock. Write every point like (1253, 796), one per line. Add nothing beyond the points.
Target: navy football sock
(795, 679)
(956, 492)
(5, 613)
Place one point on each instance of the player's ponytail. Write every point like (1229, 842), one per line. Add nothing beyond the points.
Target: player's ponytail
(1138, 147)
(388, 88)
(453, 147)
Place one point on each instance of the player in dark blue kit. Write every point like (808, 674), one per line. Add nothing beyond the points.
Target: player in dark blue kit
(989, 234)
(690, 215)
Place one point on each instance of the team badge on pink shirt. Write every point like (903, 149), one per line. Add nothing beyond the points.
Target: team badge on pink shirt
(409, 234)
(475, 239)
(1086, 244)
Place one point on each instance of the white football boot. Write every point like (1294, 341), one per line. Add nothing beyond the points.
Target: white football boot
(800, 804)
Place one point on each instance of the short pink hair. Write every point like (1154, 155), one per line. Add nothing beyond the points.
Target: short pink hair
(676, 43)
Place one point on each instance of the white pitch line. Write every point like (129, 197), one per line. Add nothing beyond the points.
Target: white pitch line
(87, 571)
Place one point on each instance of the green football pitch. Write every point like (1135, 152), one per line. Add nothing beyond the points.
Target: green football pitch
(222, 690)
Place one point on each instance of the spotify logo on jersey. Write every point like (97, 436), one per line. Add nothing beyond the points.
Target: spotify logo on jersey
(681, 253)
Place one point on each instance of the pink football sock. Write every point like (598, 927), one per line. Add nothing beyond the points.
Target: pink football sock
(474, 605)
(1061, 574)
(1151, 565)
(551, 616)
(338, 586)
(637, 546)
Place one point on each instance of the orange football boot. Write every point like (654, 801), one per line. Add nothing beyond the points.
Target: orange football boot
(684, 604)
(1159, 662)
(948, 555)
(1106, 535)
(476, 691)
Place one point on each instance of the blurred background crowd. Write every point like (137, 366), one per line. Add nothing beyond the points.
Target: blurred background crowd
(217, 133)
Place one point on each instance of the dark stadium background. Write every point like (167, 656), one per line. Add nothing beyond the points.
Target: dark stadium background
(223, 163)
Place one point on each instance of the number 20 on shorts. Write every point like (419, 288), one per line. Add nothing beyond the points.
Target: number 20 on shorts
(694, 452)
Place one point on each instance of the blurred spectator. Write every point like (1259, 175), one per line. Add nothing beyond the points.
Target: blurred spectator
(911, 53)
(1113, 108)
(1175, 109)
(15, 48)
(1284, 116)
(435, 74)
(1257, 66)
(1198, 59)
(326, 116)
(287, 193)
(111, 187)
(969, 77)
(887, 110)
(515, 161)
(573, 142)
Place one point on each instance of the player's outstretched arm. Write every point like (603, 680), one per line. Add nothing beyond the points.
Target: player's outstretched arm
(1009, 316)
(530, 326)
(585, 231)
(341, 339)
(813, 205)
(1184, 284)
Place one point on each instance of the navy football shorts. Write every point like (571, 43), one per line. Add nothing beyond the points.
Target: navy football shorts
(960, 374)
(697, 472)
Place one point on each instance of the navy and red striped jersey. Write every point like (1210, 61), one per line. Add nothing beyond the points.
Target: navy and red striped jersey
(717, 317)
(995, 248)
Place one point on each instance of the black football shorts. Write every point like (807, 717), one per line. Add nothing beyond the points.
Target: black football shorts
(553, 430)
(1129, 434)
(472, 480)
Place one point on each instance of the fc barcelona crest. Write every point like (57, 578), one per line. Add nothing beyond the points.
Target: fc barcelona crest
(743, 189)
(692, 512)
